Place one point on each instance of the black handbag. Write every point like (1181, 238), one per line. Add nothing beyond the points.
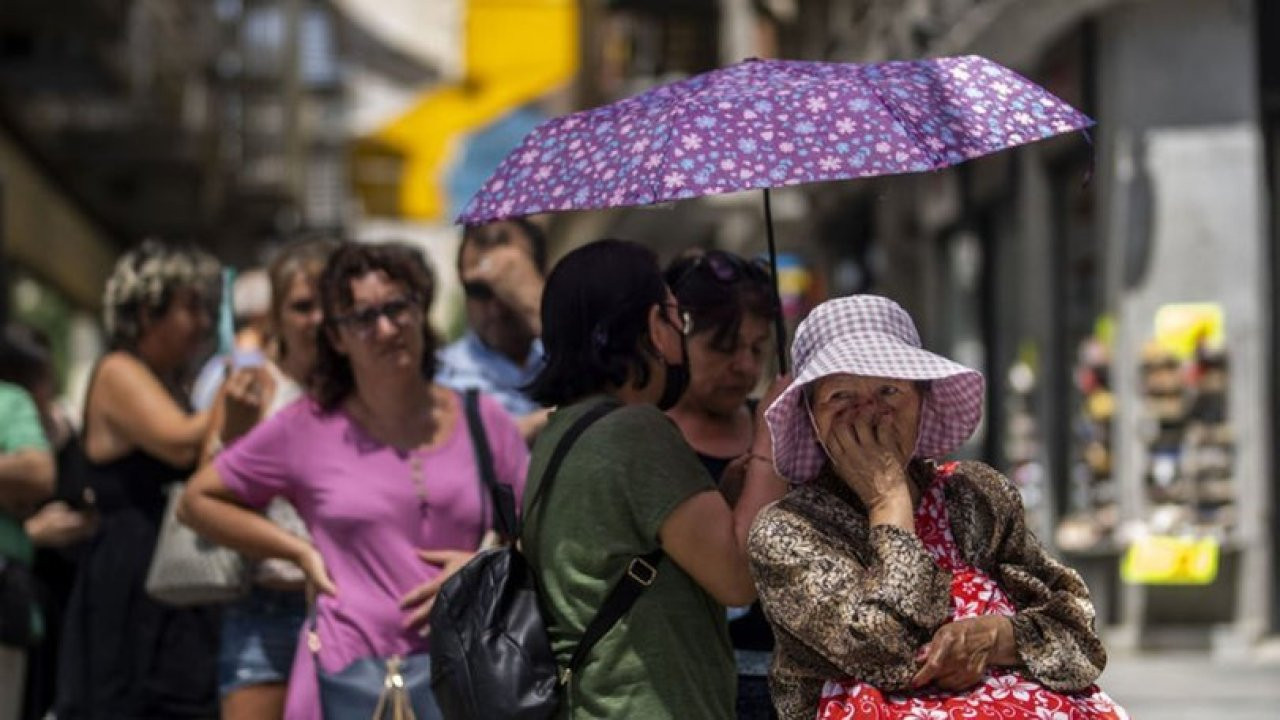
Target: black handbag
(491, 657)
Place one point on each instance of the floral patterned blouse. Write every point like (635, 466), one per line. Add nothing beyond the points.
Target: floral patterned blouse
(847, 600)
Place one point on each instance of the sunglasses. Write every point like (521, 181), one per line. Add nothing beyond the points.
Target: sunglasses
(726, 268)
(400, 312)
(478, 291)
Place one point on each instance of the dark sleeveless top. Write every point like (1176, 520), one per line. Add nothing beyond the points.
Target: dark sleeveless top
(123, 655)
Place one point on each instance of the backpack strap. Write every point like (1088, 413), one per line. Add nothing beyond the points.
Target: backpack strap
(640, 574)
(641, 571)
(501, 498)
(562, 448)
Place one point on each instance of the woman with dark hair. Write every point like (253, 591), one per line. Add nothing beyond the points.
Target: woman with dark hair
(123, 654)
(631, 485)
(731, 303)
(379, 463)
(260, 632)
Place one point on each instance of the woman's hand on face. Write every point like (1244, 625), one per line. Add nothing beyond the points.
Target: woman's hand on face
(419, 600)
(960, 652)
(513, 275)
(870, 454)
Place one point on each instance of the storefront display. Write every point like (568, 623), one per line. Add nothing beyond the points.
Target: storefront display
(1190, 444)
(1093, 501)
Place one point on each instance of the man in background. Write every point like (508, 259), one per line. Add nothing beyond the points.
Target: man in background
(502, 266)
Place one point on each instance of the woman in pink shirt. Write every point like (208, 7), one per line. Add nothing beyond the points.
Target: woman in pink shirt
(378, 463)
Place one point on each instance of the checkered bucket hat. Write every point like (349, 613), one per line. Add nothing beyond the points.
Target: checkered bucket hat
(874, 337)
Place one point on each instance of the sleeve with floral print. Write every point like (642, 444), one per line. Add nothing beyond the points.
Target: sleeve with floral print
(1054, 626)
(867, 616)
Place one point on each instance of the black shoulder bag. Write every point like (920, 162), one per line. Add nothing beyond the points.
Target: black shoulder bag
(491, 658)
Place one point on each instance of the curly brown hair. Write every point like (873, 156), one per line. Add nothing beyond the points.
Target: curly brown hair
(334, 380)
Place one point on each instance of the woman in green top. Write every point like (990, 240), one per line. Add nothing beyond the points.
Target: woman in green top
(613, 333)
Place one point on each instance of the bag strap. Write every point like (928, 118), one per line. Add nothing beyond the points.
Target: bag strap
(641, 571)
(500, 496)
(562, 448)
(640, 574)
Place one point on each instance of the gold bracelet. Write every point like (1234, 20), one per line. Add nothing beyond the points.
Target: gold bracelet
(773, 469)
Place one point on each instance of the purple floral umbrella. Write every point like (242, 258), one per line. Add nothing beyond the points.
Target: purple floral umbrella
(763, 124)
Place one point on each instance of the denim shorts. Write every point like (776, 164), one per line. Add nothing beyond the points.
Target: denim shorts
(259, 637)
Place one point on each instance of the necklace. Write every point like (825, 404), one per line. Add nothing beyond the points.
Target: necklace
(419, 484)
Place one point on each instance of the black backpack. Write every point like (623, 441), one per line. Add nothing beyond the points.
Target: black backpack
(491, 658)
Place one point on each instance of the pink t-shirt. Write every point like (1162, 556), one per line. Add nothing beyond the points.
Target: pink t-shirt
(360, 503)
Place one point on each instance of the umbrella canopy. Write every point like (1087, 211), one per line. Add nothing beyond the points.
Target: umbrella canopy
(771, 123)
(762, 124)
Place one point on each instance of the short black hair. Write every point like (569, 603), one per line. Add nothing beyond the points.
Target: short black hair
(333, 379)
(595, 321)
(494, 234)
(717, 305)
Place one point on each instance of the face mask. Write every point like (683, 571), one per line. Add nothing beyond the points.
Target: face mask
(678, 377)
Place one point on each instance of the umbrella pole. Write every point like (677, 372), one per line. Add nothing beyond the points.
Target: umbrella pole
(779, 327)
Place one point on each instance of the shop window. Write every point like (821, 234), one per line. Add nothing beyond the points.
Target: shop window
(1189, 474)
(1092, 502)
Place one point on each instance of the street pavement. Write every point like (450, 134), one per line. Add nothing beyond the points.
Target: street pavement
(1184, 685)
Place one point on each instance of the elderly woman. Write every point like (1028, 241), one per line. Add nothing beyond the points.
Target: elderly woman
(896, 586)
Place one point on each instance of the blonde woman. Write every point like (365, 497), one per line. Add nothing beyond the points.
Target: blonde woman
(260, 633)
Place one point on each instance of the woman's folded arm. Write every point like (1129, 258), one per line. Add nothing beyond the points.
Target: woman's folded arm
(1054, 625)
(865, 616)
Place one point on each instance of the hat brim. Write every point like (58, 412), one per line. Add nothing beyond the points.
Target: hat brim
(950, 413)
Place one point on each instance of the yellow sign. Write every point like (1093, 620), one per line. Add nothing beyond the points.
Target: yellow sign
(515, 52)
(1170, 560)
(1181, 327)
